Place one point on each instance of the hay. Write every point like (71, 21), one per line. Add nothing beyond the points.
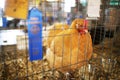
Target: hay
(16, 65)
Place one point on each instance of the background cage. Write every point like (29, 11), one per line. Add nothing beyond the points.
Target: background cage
(105, 61)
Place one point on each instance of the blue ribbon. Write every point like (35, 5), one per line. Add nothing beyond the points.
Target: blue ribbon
(35, 34)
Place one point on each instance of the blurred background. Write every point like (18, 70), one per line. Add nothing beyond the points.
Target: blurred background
(103, 25)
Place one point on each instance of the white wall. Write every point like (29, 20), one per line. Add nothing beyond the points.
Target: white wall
(8, 37)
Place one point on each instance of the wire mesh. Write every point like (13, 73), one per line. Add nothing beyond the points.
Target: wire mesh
(103, 65)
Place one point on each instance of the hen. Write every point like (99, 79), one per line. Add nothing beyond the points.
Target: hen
(71, 48)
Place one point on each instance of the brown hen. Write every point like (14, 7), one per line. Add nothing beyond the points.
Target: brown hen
(71, 48)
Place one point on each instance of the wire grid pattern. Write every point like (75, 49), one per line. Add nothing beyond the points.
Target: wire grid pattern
(104, 64)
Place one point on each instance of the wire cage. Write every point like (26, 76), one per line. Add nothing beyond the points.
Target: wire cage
(103, 64)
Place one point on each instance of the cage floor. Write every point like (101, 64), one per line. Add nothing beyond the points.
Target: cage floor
(104, 65)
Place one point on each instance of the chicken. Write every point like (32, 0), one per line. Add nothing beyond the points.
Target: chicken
(97, 34)
(70, 48)
(55, 29)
